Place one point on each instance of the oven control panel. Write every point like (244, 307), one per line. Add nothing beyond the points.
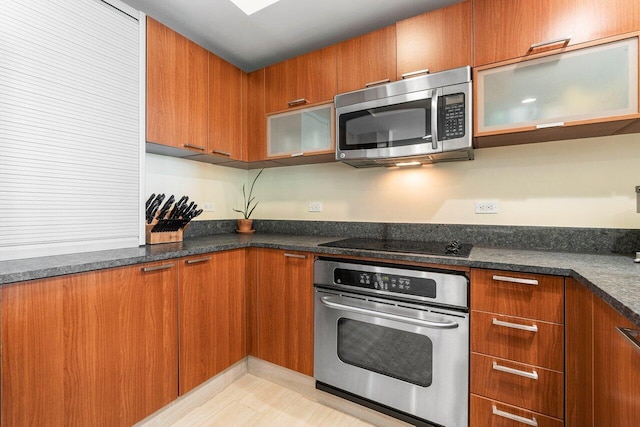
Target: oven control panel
(386, 282)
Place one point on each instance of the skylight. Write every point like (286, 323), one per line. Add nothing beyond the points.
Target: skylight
(252, 6)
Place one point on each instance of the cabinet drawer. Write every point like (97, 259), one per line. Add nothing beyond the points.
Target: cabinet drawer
(522, 340)
(488, 413)
(532, 296)
(526, 386)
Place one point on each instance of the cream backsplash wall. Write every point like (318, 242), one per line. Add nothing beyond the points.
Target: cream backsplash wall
(577, 183)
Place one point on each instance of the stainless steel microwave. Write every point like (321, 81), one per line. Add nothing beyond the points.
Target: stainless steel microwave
(423, 119)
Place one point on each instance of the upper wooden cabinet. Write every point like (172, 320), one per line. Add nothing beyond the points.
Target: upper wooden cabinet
(225, 113)
(367, 60)
(254, 117)
(177, 82)
(505, 29)
(435, 41)
(303, 80)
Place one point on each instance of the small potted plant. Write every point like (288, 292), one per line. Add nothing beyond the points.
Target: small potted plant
(245, 225)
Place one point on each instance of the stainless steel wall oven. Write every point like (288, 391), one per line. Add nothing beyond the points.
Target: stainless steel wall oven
(395, 338)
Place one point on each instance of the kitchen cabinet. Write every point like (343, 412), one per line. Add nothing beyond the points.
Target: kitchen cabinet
(92, 346)
(301, 132)
(212, 313)
(367, 60)
(284, 305)
(602, 364)
(300, 81)
(254, 117)
(506, 29)
(225, 109)
(434, 41)
(592, 85)
(177, 89)
(517, 348)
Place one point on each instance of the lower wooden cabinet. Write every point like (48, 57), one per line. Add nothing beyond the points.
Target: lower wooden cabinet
(284, 309)
(490, 413)
(211, 315)
(95, 349)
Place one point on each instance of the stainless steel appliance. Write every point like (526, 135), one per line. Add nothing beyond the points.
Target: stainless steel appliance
(395, 338)
(423, 119)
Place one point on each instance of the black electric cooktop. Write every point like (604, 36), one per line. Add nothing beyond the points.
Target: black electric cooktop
(452, 248)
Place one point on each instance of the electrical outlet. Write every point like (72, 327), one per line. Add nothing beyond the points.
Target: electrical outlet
(315, 206)
(638, 198)
(487, 207)
(208, 207)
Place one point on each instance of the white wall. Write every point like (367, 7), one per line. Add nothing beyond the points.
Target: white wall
(577, 183)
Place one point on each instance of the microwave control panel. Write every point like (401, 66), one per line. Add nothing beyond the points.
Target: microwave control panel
(452, 116)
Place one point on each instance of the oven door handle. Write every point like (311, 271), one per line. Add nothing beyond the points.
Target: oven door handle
(419, 322)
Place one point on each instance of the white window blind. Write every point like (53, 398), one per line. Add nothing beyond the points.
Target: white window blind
(70, 134)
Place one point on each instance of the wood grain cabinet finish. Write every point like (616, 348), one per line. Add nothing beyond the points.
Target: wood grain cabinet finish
(254, 117)
(437, 41)
(490, 413)
(284, 302)
(506, 29)
(177, 86)
(211, 316)
(300, 81)
(225, 109)
(96, 348)
(367, 60)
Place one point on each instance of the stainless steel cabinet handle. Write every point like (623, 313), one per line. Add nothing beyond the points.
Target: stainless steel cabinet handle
(419, 322)
(295, 256)
(299, 101)
(551, 42)
(531, 375)
(549, 125)
(532, 328)
(157, 267)
(195, 147)
(415, 73)
(528, 421)
(379, 82)
(297, 154)
(631, 335)
(222, 153)
(197, 260)
(515, 280)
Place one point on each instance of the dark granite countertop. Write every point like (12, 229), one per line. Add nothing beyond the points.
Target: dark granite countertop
(614, 278)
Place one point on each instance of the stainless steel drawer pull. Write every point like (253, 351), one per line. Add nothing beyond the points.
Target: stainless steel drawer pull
(295, 256)
(222, 153)
(565, 41)
(531, 375)
(195, 147)
(300, 101)
(532, 328)
(550, 125)
(528, 421)
(631, 335)
(415, 73)
(515, 280)
(376, 83)
(157, 267)
(197, 260)
(297, 154)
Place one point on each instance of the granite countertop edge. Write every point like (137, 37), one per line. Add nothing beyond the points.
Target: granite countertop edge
(613, 278)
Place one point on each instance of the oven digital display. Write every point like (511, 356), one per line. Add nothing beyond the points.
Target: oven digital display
(386, 282)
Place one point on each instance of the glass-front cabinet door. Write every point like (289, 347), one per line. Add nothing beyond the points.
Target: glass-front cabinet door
(300, 132)
(581, 85)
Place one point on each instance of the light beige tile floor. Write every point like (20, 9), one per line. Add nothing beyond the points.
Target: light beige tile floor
(254, 402)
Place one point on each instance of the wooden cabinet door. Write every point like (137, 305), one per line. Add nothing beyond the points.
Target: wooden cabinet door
(437, 41)
(225, 113)
(616, 373)
(177, 81)
(367, 60)
(305, 79)
(96, 348)
(506, 29)
(285, 309)
(254, 116)
(212, 315)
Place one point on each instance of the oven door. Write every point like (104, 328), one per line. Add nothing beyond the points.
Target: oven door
(412, 360)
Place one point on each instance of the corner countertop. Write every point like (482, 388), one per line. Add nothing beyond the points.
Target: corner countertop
(613, 278)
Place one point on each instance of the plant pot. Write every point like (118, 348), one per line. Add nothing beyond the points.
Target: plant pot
(245, 226)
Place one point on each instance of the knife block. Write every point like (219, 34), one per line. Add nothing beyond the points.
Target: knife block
(163, 236)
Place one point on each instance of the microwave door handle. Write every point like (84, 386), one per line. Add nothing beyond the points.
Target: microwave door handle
(419, 322)
(434, 119)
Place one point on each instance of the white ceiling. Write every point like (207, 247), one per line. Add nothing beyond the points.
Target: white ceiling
(280, 31)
